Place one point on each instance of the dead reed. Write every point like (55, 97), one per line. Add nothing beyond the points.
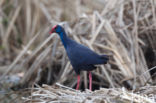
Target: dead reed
(123, 29)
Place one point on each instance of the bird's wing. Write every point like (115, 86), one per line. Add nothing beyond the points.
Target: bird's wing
(82, 55)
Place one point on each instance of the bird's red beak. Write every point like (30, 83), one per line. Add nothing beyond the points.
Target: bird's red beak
(52, 30)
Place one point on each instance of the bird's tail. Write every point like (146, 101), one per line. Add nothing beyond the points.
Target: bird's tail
(105, 58)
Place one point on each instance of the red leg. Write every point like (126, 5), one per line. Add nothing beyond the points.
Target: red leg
(78, 82)
(90, 81)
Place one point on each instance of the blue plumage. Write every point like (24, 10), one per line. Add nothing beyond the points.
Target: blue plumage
(80, 56)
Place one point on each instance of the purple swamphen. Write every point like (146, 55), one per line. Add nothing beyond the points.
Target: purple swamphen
(80, 56)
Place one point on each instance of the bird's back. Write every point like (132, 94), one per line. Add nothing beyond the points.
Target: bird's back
(83, 58)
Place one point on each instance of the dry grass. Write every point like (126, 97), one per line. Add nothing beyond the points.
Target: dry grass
(62, 94)
(123, 29)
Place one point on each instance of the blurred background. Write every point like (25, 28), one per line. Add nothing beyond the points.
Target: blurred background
(123, 29)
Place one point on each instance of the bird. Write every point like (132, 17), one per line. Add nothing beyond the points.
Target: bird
(81, 57)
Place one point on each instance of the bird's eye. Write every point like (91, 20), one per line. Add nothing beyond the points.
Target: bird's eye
(53, 29)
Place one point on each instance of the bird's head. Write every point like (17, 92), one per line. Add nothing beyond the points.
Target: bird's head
(56, 29)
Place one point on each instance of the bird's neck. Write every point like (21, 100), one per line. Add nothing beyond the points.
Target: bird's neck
(64, 38)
